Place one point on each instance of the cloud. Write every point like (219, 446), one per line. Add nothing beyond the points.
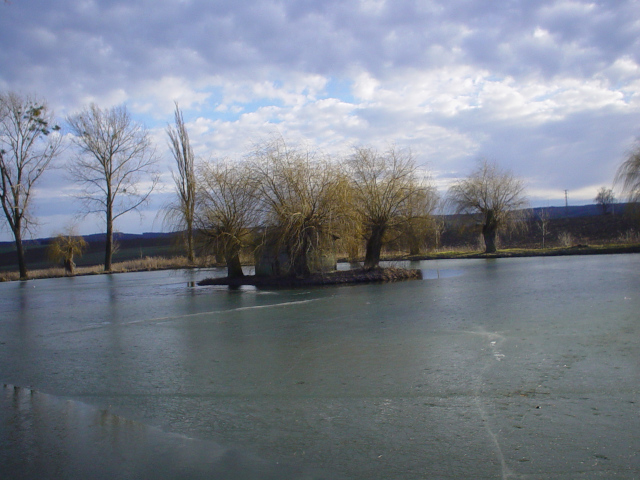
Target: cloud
(550, 88)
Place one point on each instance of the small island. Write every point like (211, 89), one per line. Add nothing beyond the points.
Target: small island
(338, 277)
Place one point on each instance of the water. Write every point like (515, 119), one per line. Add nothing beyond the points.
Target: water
(503, 368)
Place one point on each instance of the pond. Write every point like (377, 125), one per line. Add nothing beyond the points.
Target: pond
(487, 368)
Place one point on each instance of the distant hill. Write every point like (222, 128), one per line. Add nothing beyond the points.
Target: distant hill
(578, 211)
(129, 246)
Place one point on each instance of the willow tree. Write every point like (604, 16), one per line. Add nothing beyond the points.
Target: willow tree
(64, 248)
(628, 175)
(28, 143)
(493, 194)
(302, 197)
(226, 210)
(181, 212)
(384, 188)
(115, 165)
(420, 224)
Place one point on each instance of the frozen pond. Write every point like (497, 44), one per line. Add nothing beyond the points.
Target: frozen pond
(496, 369)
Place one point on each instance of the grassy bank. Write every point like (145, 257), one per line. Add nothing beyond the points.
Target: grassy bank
(139, 265)
(530, 252)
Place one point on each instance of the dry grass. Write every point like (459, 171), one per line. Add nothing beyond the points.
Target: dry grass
(138, 265)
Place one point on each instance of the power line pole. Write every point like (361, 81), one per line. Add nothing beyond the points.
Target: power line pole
(566, 203)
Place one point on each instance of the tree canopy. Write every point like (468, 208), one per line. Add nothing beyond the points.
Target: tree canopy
(628, 175)
(302, 197)
(386, 194)
(226, 210)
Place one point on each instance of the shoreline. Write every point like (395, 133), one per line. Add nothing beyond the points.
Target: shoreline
(340, 277)
(529, 252)
(154, 265)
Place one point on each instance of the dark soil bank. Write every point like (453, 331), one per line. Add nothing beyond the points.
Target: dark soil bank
(332, 278)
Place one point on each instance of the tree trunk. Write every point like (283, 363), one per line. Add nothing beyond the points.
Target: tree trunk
(191, 257)
(299, 263)
(489, 230)
(109, 241)
(22, 266)
(234, 267)
(489, 234)
(69, 266)
(374, 247)
(414, 245)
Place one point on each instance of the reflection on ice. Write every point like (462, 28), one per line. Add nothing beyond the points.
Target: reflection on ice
(436, 273)
(46, 437)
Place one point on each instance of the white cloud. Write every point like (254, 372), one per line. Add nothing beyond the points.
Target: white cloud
(158, 96)
(365, 86)
(551, 89)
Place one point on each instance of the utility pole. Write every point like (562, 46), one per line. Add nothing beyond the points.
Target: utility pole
(566, 203)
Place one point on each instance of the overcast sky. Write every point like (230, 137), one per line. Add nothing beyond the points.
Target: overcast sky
(548, 89)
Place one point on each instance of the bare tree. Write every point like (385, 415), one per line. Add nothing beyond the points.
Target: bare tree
(226, 210)
(115, 165)
(605, 199)
(543, 224)
(181, 212)
(27, 147)
(302, 197)
(497, 196)
(385, 187)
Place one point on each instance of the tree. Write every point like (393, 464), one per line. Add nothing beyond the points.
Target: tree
(226, 210)
(497, 196)
(628, 175)
(115, 165)
(302, 198)
(605, 199)
(420, 224)
(543, 224)
(28, 143)
(385, 187)
(64, 248)
(181, 213)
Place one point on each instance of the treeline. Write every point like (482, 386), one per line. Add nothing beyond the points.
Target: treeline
(292, 208)
(296, 209)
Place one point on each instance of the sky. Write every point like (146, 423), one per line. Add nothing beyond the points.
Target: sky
(548, 89)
